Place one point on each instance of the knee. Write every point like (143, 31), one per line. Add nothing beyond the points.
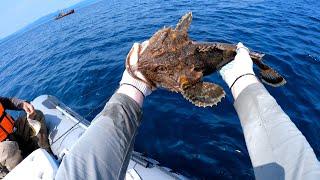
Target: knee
(10, 154)
(39, 116)
(39, 113)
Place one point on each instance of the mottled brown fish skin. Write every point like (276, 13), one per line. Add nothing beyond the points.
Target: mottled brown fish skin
(174, 62)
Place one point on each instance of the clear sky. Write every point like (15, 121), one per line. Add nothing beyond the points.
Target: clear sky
(16, 14)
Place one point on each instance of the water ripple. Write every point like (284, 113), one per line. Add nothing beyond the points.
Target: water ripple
(80, 59)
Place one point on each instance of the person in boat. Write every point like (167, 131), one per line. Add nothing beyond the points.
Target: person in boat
(16, 135)
(277, 149)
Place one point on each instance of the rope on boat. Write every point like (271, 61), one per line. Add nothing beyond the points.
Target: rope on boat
(84, 116)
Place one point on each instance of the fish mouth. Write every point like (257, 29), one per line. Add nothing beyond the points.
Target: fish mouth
(173, 87)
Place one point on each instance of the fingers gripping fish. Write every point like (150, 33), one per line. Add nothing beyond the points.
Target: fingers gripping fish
(176, 63)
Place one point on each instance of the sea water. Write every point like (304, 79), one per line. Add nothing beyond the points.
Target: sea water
(80, 60)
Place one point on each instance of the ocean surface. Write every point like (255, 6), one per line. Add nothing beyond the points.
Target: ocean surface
(80, 60)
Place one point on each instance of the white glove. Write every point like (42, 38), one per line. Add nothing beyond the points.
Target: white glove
(241, 65)
(133, 58)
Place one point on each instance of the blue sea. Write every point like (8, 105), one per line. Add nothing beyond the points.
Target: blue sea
(80, 60)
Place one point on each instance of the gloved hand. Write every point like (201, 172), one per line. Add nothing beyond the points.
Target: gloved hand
(242, 64)
(239, 74)
(133, 58)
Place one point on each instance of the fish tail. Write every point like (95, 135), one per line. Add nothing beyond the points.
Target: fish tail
(268, 75)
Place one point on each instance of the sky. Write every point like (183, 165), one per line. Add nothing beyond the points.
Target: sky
(16, 14)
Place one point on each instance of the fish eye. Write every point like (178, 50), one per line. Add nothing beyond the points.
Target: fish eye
(198, 69)
(161, 69)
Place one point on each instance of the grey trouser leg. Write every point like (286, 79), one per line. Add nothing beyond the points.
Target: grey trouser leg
(10, 154)
(24, 131)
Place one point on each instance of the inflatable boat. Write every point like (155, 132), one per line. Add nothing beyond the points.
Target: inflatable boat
(64, 129)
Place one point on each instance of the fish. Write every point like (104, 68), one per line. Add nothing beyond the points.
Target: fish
(174, 62)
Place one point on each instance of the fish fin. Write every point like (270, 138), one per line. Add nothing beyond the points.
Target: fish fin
(272, 77)
(256, 56)
(268, 75)
(184, 22)
(204, 94)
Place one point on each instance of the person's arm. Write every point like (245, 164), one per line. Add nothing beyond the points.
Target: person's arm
(18, 104)
(277, 149)
(12, 103)
(104, 150)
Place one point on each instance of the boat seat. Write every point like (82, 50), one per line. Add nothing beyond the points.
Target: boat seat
(38, 165)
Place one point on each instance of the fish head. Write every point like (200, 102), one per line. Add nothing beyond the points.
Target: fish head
(164, 63)
(170, 74)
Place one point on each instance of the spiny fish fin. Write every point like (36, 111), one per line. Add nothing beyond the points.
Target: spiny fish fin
(272, 78)
(268, 75)
(184, 22)
(256, 56)
(204, 94)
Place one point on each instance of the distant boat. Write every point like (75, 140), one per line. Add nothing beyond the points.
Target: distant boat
(63, 14)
